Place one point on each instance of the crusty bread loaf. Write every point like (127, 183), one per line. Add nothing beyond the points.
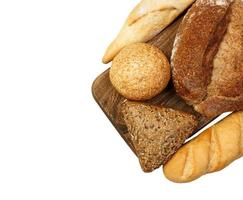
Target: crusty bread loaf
(190, 75)
(211, 151)
(225, 91)
(140, 71)
(207, 57)
(147, 19)
(156, 132)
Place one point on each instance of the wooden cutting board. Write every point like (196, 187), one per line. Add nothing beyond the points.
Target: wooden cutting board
(109, 100)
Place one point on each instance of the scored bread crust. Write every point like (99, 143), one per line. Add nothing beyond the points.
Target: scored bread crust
(190, 77)
(225, 92)
(211, 151)
(203, 76)
(146, 20)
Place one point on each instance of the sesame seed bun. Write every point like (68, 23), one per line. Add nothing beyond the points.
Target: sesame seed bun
(140, 71)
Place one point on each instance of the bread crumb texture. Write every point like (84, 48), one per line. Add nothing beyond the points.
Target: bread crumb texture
(156, 132)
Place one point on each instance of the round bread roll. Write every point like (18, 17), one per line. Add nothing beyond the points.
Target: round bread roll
(140, 71)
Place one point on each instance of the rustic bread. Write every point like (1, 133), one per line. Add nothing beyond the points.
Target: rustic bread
(207, 57)
(225, 91)
(140, 71)
(156, 132)
(147, 19)
(211, 151)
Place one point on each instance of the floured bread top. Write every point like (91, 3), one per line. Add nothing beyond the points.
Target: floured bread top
(207, 57)
(225, 92)
(230, 55)
(215, 2)
(191, 16)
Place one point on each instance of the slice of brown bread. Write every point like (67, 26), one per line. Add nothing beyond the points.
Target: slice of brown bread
(156, 132)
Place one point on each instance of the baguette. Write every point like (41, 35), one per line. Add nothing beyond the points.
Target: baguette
(147, 20)
(211, 151)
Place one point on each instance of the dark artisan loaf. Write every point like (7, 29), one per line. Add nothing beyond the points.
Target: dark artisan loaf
(207, 60)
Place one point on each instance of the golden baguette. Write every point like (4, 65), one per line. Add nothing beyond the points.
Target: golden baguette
(146, 20)
(211, 151)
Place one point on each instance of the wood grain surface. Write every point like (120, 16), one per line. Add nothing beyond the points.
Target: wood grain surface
(109, 100)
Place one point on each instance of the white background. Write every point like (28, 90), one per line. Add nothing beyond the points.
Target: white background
(55, 142)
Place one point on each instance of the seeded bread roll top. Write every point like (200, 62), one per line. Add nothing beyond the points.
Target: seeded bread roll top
(140, 71)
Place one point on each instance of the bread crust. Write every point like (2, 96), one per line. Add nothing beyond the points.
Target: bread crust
(146, 20)
(140, 71)
(206, 49)
(190, 76)
(225, 91)
(211, 151)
